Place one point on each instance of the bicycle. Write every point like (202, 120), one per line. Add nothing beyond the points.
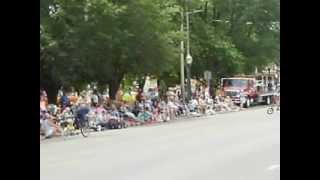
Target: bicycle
(66, 122)
(82, 120)
(71, 124)
(84, 127)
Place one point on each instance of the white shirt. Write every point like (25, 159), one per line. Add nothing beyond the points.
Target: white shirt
(171, 104)
(95, 98)
(194, 102)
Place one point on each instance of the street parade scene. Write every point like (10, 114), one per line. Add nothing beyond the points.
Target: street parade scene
(160, 89)
(137, 107)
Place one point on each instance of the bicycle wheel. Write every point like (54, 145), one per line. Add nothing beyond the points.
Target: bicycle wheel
(85, 129)
(270, 110)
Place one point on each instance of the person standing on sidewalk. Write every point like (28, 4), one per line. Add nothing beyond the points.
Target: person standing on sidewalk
(95, 99)
(59, 95)
(43, 96)
(64, 101)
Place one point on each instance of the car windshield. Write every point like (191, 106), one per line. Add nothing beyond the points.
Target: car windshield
(235, 83)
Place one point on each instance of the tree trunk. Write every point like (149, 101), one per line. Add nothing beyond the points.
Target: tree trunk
(51, 90)
(114, 85)
(102, 85)
(162, 89)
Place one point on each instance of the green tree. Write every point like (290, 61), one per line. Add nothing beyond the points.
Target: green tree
(106, 40)
(103, 40)
(233, 36)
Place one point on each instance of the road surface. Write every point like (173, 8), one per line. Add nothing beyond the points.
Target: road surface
(236, 146)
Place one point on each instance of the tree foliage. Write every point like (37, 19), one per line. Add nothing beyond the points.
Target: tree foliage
(106, 40)
(103, 40)
(234, 36)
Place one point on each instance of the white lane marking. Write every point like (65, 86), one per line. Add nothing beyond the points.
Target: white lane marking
(274, 167)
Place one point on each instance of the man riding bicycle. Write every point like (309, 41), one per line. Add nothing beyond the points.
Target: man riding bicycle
(81, 114)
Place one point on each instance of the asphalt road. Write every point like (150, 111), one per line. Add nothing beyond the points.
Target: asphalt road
(237, 146)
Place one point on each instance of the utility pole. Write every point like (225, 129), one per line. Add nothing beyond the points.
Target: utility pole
(182, 59)
(188, 32)
(189, 58)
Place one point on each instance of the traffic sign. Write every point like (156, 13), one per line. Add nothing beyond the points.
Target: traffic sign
(207, 75)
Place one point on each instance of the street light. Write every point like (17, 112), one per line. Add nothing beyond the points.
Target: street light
(189, 57)
(195, 11)
(218, 20)
(189, 62)
(188, 29)
(226, 21)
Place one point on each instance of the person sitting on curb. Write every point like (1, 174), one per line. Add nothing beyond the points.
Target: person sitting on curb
(128, 113)
(163, 111)
(48, 126)
(193, 105)
(101, 118)
(156, 111)
(145, 115)
(209, 106)
(221, 104)
(231, 104)
(172, 109)
(202, 105)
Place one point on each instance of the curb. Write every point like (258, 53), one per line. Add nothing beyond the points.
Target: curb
(135, 124)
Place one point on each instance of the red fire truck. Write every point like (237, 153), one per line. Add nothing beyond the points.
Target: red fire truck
(248, 90)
